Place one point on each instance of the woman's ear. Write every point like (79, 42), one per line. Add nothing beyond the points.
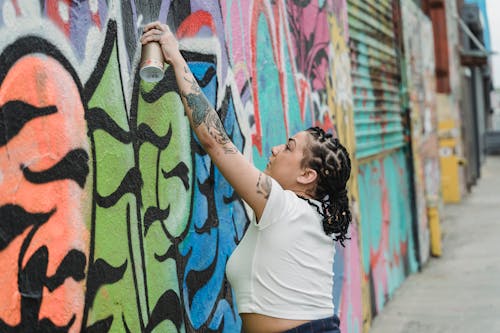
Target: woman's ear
(307, 177)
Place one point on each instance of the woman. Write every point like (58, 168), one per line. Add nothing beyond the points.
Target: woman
(281, 271)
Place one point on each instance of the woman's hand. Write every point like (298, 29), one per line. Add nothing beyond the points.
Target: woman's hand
(158, 32)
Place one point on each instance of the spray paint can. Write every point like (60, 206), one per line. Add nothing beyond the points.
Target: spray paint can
(151, 67)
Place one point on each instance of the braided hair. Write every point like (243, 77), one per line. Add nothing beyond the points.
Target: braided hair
(331, 161)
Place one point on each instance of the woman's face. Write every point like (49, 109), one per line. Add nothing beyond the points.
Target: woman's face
(285, 161)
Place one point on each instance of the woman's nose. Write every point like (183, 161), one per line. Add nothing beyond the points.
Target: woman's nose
(277, 149)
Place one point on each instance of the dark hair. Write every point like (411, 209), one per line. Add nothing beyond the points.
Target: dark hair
(331, 161)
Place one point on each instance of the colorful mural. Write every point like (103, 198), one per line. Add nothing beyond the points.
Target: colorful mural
(387, 240)
(113, 218)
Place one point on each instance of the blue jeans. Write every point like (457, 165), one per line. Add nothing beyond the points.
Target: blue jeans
(326, 325)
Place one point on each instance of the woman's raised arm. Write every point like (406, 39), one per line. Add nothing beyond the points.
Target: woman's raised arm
(252, 185)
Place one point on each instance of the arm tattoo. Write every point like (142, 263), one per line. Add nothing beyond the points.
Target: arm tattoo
(202, 113)
(195, 99)
(190, 78)
(264, 185)
(199, 107)
(217, 131)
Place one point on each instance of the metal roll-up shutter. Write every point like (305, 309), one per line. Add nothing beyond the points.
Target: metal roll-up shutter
(375, 75)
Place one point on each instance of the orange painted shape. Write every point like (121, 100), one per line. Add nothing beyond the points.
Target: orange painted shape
(41, 81)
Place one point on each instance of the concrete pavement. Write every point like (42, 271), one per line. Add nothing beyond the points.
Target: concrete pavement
(459, 292)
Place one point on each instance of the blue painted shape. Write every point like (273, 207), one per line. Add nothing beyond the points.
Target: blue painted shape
(397, 176)
(210, 247)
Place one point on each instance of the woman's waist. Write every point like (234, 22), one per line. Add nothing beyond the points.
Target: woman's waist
(259, 323)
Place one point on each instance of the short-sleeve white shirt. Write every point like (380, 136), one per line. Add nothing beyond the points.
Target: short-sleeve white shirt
(283, 266)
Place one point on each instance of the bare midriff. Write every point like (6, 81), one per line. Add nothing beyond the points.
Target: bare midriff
(257, 323)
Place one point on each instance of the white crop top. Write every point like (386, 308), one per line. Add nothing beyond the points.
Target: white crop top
(283, 266)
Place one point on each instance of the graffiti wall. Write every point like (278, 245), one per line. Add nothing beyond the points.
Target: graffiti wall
(387, 239)
(112, 216)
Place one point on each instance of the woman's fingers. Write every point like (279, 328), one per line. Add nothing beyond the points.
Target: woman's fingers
(150, 37)
(155, 31)
(153, 34)
(155, 24)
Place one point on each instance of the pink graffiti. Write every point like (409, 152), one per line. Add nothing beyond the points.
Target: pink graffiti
(236, 20)
(16, 7)
(310, 36)
(351, 299)
(307, 76)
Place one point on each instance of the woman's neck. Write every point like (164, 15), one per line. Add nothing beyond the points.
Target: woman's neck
(303, 194)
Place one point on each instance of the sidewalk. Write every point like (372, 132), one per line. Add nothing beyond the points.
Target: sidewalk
(459, 292)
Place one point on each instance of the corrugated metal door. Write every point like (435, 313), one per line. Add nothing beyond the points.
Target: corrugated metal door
(375, 75)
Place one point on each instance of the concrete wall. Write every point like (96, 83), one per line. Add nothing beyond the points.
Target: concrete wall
(112, 217)
(421, 85)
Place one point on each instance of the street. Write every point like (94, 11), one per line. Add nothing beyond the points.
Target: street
(459, 292)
